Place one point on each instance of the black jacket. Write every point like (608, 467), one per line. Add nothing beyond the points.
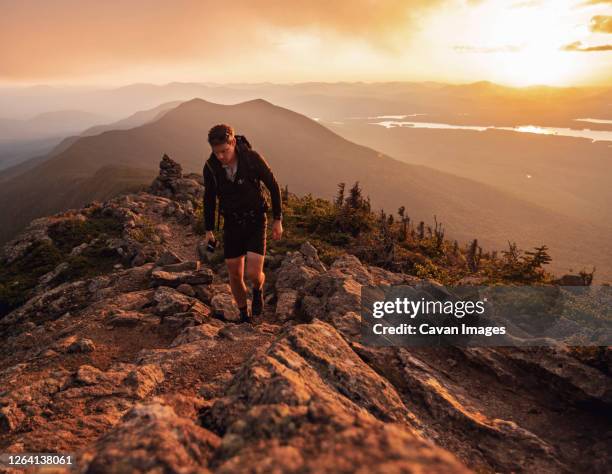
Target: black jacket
(244, 193)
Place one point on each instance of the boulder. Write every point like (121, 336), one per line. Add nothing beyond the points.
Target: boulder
(294, 272)
(11, 418)
(151, 437)
(572, 280)
(224, 307)
(189, 265)
(169, 301)
(128, 319)
(186, 289)
(121, 380)
(311, 256)
(81, 345)
(195, 333)
(310, 404)
(174, 279)
(167, 257)
(350, 265)
(285, 304)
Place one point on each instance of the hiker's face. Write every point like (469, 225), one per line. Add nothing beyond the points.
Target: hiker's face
(225, 152)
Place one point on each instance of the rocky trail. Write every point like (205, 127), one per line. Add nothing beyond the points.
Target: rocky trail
(145, 368)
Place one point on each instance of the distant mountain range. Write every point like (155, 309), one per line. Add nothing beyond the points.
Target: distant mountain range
(48, 124)
(23, 139)
(478, 103)
(27, 158)
(307, 157)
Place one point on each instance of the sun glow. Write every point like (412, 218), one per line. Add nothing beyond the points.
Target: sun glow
(538, 32)
(519, 43)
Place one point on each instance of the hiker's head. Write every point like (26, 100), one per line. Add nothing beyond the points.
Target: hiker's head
(223, 142)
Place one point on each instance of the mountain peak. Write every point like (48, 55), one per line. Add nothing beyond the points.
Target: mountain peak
(256, 101)
(200, 101)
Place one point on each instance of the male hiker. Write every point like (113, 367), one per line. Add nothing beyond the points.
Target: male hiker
(234, 172)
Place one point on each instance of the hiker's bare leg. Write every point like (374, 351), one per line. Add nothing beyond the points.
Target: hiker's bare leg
(235, 269)
(254, 269)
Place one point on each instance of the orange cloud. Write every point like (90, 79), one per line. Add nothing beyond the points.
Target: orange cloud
(601, 24)
(577, 46)
(45, 39)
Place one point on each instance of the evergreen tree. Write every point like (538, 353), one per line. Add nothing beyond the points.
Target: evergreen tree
(403, 233)
(355, 199)
(340, 195)
(438, 233)
(536, 258)
(473, 256)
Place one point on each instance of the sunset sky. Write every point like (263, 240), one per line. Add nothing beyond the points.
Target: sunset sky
(514, 42)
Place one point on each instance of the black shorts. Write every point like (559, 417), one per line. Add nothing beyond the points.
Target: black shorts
(242, 237)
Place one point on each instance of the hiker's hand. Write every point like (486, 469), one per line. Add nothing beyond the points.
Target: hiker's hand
(277, 229)
(209, 236)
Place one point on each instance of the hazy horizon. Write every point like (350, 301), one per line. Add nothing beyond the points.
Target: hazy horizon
(508, 42)
(98, 86)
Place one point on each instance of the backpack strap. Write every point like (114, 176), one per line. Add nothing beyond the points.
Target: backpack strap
(218, 206)
(242, 142)
(253, 175)
(245, 149)
(251, 167)
(214, 174)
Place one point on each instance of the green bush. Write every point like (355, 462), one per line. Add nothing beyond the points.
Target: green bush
(67, 234)
(19, 278)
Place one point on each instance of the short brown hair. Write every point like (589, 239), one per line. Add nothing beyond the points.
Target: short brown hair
(220, 134)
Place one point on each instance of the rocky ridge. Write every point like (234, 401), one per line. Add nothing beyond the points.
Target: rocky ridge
(144, 368)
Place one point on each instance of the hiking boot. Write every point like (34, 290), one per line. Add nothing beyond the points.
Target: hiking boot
(258, 301)
(245, 317)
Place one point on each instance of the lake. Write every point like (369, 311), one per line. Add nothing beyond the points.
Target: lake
(390, 121)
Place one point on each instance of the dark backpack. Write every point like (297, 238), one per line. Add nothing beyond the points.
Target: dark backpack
(244, 147)
(242, 143)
